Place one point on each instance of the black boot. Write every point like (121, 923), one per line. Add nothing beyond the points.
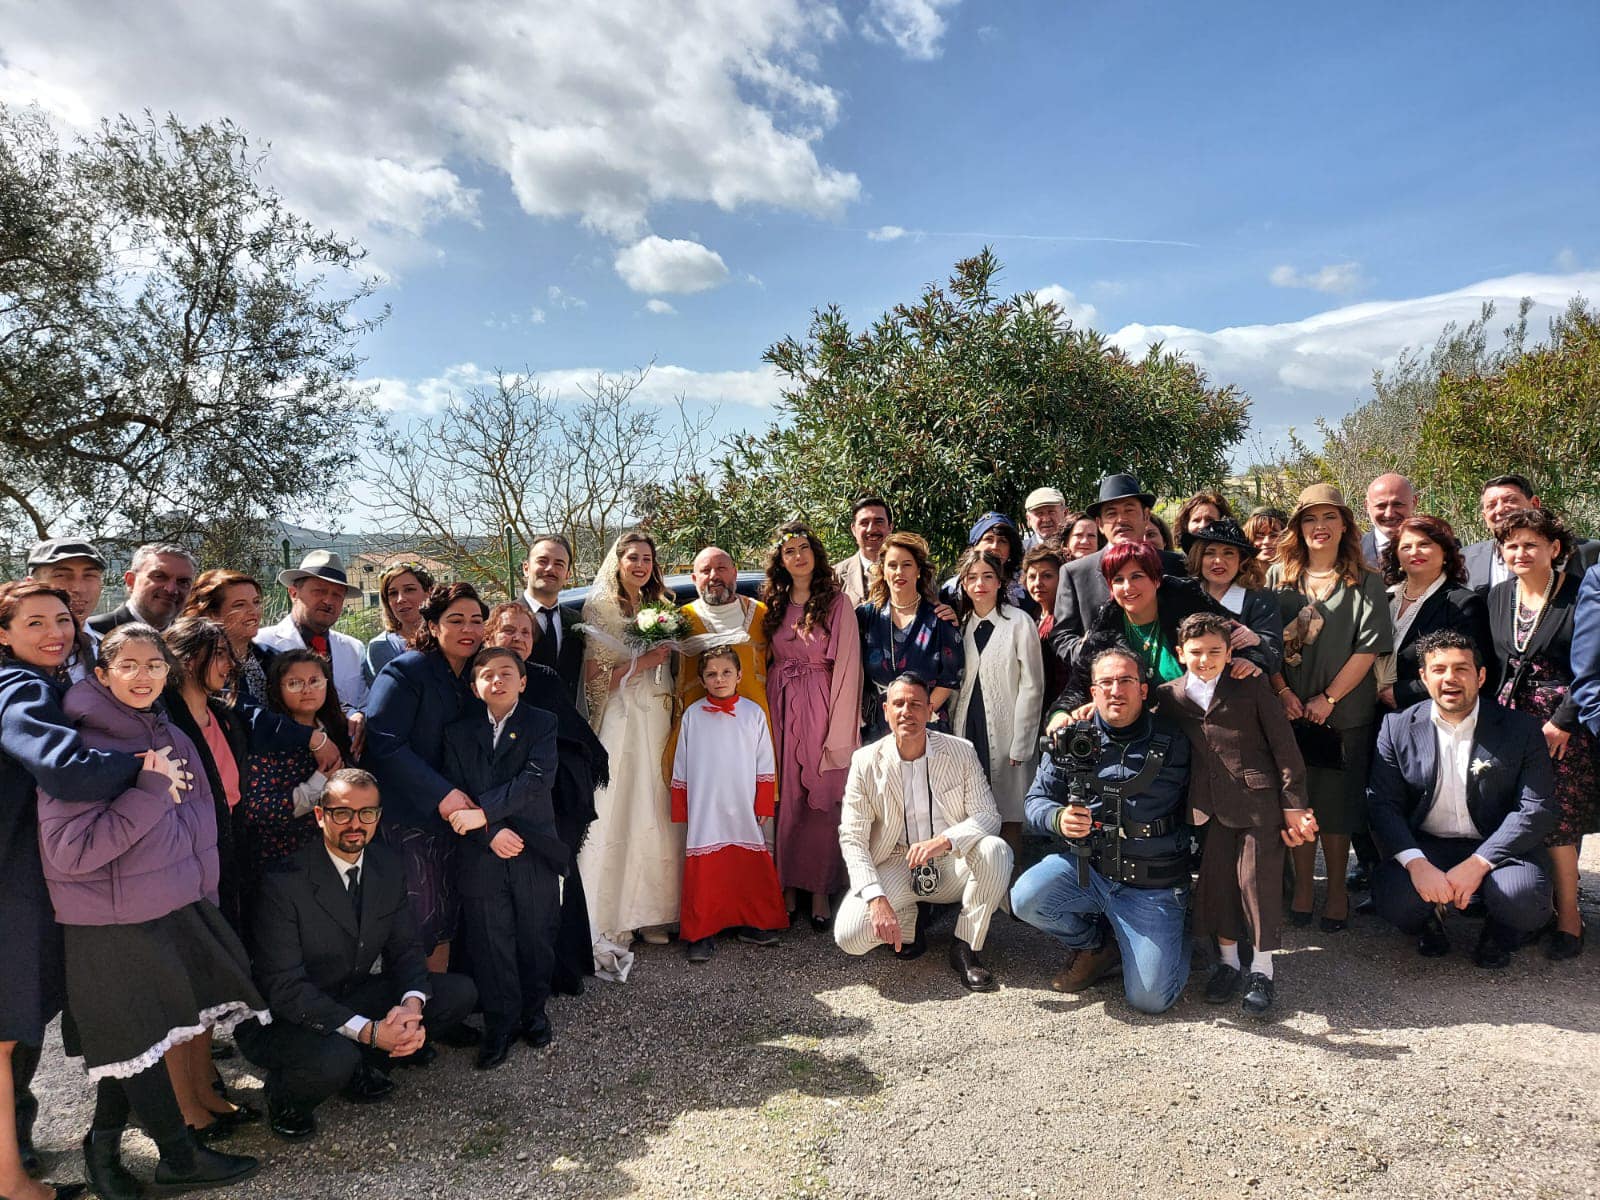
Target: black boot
(102, 1162)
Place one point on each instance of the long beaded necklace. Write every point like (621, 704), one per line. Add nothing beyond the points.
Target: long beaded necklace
(1518, 642)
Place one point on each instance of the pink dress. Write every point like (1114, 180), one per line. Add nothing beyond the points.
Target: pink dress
(814, 695)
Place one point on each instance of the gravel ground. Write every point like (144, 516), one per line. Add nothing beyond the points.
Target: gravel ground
(798, 1072)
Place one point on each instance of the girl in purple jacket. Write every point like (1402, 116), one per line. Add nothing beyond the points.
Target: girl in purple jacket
(152, 967)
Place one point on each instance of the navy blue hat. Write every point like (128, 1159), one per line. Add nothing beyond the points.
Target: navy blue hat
(987, 522)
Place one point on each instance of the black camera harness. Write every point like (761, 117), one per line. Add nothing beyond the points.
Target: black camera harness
(1109, 829)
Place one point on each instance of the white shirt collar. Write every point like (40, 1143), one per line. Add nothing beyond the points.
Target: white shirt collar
(538, 605)
(1466, 728)
(1233, 598)
(499, 726)
(343, 867)
(1198, 690)
(1380, 539)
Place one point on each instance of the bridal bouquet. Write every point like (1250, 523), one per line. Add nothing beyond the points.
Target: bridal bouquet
(659, 624)
(656, 624)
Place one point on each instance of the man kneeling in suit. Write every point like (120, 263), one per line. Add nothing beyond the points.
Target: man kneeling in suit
(1460, 799)
(919, 825)
(324, 917)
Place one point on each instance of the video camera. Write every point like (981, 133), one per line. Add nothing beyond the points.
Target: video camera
(1076, 749)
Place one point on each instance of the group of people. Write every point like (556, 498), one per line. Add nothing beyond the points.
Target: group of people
(339, 852)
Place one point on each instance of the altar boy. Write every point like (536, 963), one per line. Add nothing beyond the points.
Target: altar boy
(511, 858)
(1247, 786)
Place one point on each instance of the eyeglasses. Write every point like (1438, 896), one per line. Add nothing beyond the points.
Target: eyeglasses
(295, 686)
(132, 670)
(1114, 684)
(343, 816)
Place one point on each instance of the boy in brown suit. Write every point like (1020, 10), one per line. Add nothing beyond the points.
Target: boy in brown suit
(1248, 782)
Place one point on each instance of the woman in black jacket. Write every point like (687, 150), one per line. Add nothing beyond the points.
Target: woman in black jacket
(1428, 591)
(1143, 615)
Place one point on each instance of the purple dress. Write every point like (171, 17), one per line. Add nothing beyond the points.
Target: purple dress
(814, 694)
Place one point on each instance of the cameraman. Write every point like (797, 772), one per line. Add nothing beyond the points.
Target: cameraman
(1112, 787)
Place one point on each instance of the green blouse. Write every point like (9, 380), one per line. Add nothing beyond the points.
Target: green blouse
(1355, 621)
(1151, 643)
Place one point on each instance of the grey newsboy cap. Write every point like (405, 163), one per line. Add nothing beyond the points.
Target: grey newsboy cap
(54, 550)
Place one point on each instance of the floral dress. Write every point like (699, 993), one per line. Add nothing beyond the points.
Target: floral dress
(266, 807)
(928, 646)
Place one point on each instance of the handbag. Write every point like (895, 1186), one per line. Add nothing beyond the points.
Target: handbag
(1320, 745)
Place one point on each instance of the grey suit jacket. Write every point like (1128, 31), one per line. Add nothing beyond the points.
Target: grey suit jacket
(872, 825)
(852, 576)
(1369, 549)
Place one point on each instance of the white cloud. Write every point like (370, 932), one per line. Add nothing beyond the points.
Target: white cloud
(915, 26)
(759, 388)
(1079, 312)
(564, 300)
(656, 264)
(660, 307)
(594, 109)
(536, 316)
(887, 233)
(1323, 365)
(1337, 278)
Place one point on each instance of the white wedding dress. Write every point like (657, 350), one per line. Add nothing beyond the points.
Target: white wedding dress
(632, 861)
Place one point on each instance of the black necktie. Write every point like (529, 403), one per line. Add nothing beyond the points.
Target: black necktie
(352, 881)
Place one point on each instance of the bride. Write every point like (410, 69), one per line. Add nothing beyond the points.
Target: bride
(632, 861)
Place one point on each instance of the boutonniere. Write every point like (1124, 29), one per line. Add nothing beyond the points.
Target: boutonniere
(1479, 766)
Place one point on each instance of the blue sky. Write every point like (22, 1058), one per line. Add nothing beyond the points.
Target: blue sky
(577, 186)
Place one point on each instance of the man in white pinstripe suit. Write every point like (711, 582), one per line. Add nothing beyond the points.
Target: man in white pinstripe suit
(919, 825)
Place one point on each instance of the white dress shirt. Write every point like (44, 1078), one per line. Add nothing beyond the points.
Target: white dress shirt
(499, 726)
(923, 820)
(1448, 816)
(547, 618)
(1198, 690)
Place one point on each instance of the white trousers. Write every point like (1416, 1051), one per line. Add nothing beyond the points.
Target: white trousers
(979, 880)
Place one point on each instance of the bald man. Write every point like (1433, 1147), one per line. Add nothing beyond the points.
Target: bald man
(1390, 500)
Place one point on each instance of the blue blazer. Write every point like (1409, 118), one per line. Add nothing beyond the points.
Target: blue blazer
(412, 700)
(1512, 800)
(1586, 651)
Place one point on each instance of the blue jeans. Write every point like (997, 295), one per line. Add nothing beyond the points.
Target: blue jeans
(1147, 923)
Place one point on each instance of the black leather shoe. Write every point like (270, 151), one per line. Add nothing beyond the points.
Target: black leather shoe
(1563, 946)
(567, 985)
(1433, 941)
(31, 1163)
(459, 1036)
(212, 1169)
(495, 1049)
(102, 1163)
(368, 1085)
(1366, 906)
(820, 924)
(919, 941)
(290, 1123)
(537, 1034)
(1258, 994)
(974, 976)
(1493, 950)
(1335, 924)
(1359, 879)
(1222, 984)
(1299, 919)
(242, 1114)
(421, 1058)
(751, 936)
(214, 1132)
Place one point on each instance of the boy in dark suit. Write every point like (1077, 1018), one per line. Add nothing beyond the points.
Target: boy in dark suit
(511, 857)
(1248, 787)
(1460, 798)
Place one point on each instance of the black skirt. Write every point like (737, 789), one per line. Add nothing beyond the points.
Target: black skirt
(136, 991)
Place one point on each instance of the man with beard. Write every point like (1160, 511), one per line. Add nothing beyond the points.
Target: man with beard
(1460, 798)
(318, 588)
(870, 522)
(719, 608)
(159, 579)
(327, 916)
(1122, 511)
(558, 644)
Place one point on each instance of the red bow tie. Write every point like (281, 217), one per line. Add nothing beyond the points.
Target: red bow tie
(722, 706)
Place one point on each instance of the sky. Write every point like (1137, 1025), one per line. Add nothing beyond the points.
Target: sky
(1290, 194)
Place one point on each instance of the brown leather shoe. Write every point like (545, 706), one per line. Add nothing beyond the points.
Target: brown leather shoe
(1088, 967)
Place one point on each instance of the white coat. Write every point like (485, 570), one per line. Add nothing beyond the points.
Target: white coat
(1012, 670)
(348, 655)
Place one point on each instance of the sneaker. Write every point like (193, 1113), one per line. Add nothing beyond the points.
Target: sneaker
(700, 951)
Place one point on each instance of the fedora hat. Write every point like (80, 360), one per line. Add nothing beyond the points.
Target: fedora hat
(1224, 532)
(1119, 487)
(1318, 495)
(319, 564)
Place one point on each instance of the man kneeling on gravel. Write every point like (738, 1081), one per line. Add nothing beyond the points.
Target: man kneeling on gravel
(919, 827)
(1111, 792)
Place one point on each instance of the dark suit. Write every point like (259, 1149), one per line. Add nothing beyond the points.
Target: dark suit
(1555, 638)
(1451, 607)
(1262, 615)
(568, 661)
(104, 623)
(1247, 770)
(1082, 591)
(1511, 802)
(1369, 550)
(1480, 559)
(314, 960)
(511, 907)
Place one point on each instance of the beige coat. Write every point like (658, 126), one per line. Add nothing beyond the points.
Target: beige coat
(854, 578)
(1012, 671)
(872, 826)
